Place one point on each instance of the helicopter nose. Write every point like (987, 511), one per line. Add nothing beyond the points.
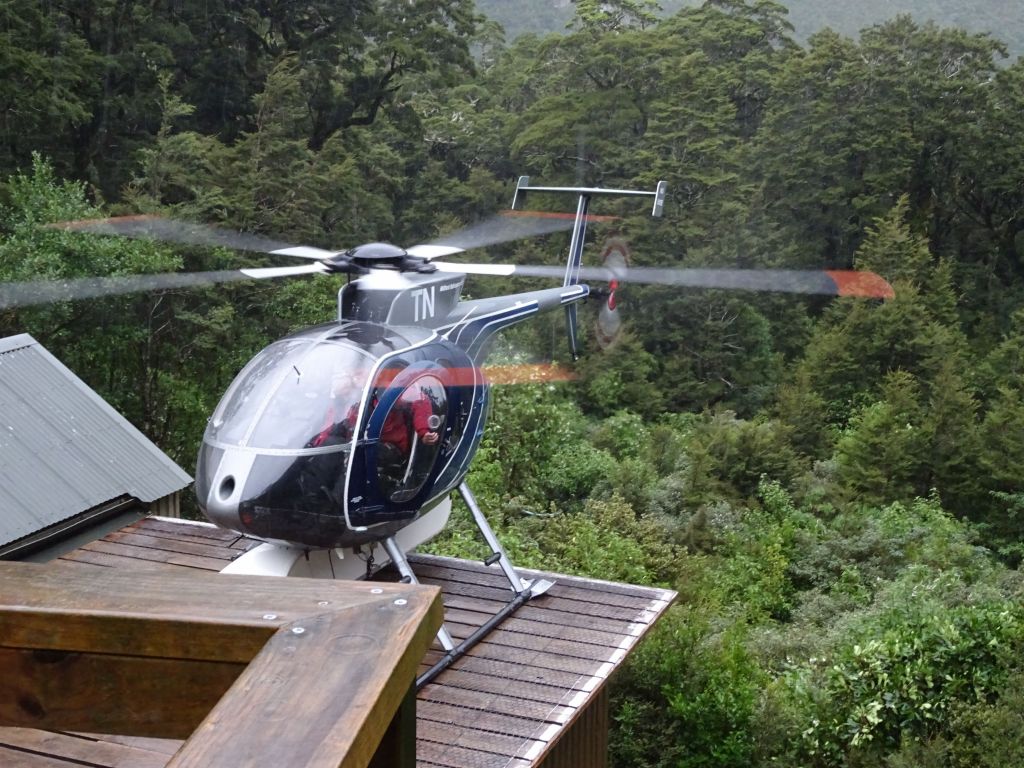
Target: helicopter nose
(223, 494)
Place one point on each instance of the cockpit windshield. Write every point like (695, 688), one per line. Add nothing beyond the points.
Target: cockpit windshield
(295, 394)
(303, 392)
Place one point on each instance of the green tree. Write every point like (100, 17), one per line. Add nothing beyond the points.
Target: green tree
(853, 125)
(615, 15)
(883, 454)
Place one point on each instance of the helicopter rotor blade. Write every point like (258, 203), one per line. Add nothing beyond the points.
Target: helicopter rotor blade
(151, 227)
(821, 282)
(502, 228)
(528, 373)
(264, 273)
(70, 289)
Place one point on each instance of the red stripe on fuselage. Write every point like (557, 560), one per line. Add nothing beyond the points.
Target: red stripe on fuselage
(523, 373)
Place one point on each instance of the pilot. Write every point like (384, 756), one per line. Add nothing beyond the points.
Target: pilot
(342, 410)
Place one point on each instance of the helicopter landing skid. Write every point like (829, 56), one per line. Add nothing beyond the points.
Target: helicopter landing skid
(523, 591)
(454, 654)
(452, 651)
(398, 558)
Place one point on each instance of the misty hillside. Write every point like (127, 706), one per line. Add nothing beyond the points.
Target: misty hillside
(1003, 18)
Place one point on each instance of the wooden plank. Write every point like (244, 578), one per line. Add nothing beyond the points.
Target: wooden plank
(198, 534)
(470, 738)
(592, 585)
(528, 663)
(499, 594)
(155, 555)
(81, 750)
(529, 659)
(569, 590)
(546, 613)
(589, 584)
(163, 746)
(459, 757)
(558, 647)
(181, 546)
(520, 728)
(16, 758)
(135, 696)
(117, 561)
(82, 563)
(472, 702)
(511, 671)
(473, 681)
(539, 629)
(175, 526)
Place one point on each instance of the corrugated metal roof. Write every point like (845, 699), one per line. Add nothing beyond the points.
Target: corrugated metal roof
(63, 450)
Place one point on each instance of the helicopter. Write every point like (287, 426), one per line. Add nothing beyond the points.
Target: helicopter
(355, 433)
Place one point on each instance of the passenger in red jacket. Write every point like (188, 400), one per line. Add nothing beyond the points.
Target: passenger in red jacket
(415, 412)
(411, 412)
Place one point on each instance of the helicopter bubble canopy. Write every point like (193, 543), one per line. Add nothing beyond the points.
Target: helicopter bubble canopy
(315, 441)
(282, 398)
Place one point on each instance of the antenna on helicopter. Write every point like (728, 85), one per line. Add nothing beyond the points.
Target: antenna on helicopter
(579, 232)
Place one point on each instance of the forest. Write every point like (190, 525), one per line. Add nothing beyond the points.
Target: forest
(1003, 19)
(834, 487)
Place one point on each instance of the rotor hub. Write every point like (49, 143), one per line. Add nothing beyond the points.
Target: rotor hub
(373, 256)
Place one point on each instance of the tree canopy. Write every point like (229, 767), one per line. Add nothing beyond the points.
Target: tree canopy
(834, 487)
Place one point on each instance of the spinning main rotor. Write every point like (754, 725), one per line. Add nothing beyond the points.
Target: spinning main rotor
(383, 263)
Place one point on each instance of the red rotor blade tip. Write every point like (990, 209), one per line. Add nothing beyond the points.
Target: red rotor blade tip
(866, 284)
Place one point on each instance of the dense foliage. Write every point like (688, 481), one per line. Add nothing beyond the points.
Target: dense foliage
(834, 487)
(1004, 19)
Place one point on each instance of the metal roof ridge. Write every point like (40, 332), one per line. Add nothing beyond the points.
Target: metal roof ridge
(18, 341)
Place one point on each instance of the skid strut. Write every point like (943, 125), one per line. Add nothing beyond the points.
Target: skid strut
(522, 590)
(537, 587)
(398, 558)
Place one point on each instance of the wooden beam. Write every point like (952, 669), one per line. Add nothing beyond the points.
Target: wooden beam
(260, 670)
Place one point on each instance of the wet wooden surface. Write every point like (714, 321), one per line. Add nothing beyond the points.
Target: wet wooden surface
(507, 703)
(249, 671)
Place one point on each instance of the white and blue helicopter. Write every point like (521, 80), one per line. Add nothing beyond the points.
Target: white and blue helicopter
(352, 435)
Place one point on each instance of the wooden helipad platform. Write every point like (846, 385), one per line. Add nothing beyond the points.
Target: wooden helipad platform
(532, 693)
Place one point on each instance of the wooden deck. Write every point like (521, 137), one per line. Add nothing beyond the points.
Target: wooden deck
(508, 703)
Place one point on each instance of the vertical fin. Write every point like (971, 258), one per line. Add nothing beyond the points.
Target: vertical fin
(570, 327)
(572, 267)
(520, 195)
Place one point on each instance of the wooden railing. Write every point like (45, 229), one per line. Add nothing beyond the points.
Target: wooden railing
(252, 671)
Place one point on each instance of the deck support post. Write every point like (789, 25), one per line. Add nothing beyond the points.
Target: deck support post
(398, 747)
